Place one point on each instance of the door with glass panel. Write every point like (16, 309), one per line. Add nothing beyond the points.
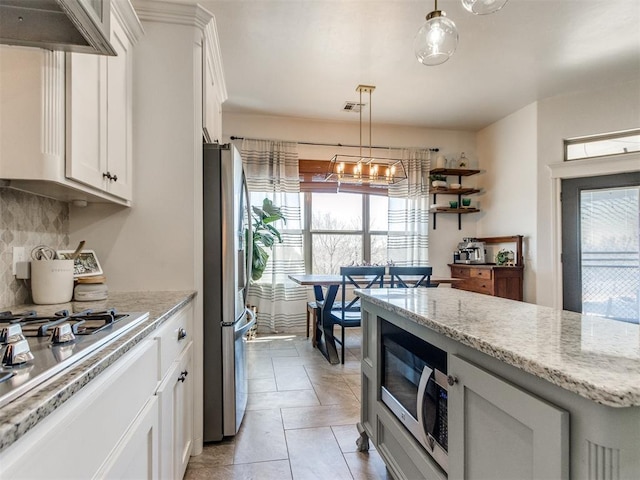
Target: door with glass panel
(601, 246)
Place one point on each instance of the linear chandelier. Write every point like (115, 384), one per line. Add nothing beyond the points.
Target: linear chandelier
(361, 169)
(437, 39)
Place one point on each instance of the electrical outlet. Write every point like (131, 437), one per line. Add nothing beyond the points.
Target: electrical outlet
(19, 255)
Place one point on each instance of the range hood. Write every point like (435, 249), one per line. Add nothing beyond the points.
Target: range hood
(69, 25)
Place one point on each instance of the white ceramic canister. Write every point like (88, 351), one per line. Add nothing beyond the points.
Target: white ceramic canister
(441, 161)
(51, 281)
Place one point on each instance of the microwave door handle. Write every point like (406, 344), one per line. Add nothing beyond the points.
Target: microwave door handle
(427, 439)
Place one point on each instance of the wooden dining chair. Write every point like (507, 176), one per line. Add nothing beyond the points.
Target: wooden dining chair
(346, 312)
(410, 277)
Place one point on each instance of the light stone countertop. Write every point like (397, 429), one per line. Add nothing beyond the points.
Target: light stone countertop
(23, 413)
(596, 358)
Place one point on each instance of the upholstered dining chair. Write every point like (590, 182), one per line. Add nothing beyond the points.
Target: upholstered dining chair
(346, 311)
(410, 277)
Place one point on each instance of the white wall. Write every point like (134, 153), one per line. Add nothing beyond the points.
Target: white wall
(150, 246)
(508, 150)
(584, 113)
(445, 238)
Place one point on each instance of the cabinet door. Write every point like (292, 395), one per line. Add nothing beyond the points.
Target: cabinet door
(183, 411)
(137, 455)
(99, 148)
(119, 117)
(497, 430)
(86, 155)
(175, 395)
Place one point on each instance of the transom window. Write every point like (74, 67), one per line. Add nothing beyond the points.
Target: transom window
(618, 143)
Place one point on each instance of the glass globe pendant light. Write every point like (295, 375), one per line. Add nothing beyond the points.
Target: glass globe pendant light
(436, 40)
(483, 7)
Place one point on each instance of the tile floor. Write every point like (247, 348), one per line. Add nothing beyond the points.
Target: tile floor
(301, 418)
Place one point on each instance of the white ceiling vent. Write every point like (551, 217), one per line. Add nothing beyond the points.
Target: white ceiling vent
(354, 107)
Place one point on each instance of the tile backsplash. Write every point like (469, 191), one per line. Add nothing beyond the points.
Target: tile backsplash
(27, 220)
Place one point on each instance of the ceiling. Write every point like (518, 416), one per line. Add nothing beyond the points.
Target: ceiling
(304, 58)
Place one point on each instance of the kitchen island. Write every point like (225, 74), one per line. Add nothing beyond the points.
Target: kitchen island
(533, 392)
(121, 378)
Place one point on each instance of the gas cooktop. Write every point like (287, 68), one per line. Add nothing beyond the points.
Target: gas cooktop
(35, 347)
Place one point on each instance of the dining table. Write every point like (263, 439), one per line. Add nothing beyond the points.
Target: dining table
(323, 284)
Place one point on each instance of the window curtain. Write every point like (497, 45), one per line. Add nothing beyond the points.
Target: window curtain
(271, 170)
(408, 238)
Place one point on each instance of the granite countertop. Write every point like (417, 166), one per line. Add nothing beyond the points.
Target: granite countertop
(594, 357)
(23, 413)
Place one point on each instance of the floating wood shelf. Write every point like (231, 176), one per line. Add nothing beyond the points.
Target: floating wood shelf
(459, 172)
(453, 191)
(455, 210)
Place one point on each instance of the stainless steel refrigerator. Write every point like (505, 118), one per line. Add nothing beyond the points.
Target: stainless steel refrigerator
(226, 281)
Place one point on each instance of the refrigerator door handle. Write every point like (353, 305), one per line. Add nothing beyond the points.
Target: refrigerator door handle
(249, 259)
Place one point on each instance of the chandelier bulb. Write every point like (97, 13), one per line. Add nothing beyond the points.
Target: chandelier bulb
(483, 7)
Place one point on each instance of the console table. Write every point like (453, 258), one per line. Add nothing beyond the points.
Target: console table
(498, 280)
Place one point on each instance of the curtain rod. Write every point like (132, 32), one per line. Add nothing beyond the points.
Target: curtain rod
(340, 144)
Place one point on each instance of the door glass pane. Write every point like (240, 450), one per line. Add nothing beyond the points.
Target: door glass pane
(379, 213)
(337, 211)
(610, 252)
(330, 252)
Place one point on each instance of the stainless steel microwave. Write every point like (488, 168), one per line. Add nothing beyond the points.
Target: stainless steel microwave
(414, 387)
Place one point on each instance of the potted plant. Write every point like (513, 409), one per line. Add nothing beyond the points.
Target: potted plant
(264, 235)
(438, 180)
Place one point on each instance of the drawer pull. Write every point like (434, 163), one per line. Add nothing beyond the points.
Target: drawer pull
(452, 380)
(182, 334)
(183, 376)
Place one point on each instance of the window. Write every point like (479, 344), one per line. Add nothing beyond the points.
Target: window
(602, 145)
(344, 229)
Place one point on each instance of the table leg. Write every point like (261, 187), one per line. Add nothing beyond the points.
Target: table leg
(324, 332)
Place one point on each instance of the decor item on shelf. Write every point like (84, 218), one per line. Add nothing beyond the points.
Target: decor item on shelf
(438, 180)
(505, 257)
(359, 169)
(441, 161)
(463, 161)
(466, 202)
(437, 39)
(455, 186)
(453, 204)
(483, 7)
(264, 235)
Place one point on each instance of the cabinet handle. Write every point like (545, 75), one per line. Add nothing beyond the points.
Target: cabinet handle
(452, 380)
(182, 334)
(183, 376)
(110, 177)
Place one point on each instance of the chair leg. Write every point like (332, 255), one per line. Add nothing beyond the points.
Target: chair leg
(342, 326)
(308, 318)
(314, 327)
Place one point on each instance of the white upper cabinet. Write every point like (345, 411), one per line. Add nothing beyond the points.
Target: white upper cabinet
(99, 113)
(99, 133)
(66, 119)
(214, 90)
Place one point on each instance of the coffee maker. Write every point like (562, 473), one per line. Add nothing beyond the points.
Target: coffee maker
(470, 250)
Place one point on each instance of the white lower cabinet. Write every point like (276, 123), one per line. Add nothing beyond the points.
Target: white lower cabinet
(175, 394)
(107, 430)
(498, 430)
(136, 456)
